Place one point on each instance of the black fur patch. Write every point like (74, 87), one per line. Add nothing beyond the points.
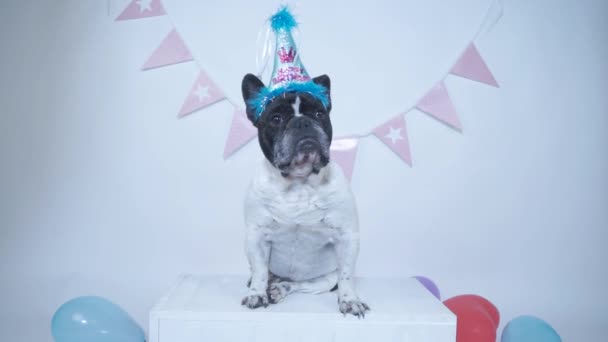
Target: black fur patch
(278, 119)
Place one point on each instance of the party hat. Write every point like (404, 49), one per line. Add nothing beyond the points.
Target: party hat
(288, 74)
(288, 66)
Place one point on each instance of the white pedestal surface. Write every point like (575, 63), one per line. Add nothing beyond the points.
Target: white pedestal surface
(208, 309)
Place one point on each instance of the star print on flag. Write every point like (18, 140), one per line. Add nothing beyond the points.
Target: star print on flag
(137, 9)
(144, 5)
(393, 134)
(202, 94)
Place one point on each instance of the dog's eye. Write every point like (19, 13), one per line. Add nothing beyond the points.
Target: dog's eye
(319, 115)
(277, 118)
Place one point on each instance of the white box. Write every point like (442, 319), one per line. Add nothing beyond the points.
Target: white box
(208, 309)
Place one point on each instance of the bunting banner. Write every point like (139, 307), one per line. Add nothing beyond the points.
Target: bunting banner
(138, 9)
(343, 151)
(436, 102)
(171, 50)
(393, 134)
(470, 65)
(203, 93)
(241, 132)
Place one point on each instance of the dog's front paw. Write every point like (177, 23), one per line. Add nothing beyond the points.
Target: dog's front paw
(255, 301)
(277, 291)
(355, 307)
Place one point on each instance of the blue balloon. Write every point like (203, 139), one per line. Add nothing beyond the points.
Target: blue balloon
(529, 329)
(94, 319)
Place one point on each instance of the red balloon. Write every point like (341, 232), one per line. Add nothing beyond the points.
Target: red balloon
(486, 305)
(477, 318)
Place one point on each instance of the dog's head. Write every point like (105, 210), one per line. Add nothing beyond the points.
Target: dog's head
(294, 128)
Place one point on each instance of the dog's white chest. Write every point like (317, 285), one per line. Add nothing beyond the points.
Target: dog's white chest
(301, 253)
(301, 240)
(301, 204)
(300, 221)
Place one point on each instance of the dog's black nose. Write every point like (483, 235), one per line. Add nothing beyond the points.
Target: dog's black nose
(308, 146)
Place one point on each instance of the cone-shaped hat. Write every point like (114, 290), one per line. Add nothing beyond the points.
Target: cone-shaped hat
(288, 74)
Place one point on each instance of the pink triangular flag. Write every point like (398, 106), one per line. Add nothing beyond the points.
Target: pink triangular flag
(393, 134)
(470, 65)
(171, 50)
(203, 93)
(343, 152)
(241, 131)
(437, 103)
(137, 9)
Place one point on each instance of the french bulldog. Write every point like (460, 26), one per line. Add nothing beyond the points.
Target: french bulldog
(300, 215)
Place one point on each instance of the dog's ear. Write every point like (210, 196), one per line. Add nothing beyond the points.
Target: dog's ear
(250, 87)
(324, 81)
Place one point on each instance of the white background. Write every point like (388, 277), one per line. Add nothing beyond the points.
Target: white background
(104, 192)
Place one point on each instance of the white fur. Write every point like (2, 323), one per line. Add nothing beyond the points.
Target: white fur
(296, 107)
(304, 229)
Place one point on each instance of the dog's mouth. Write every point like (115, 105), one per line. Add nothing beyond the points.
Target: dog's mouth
(307, 158)
(303, 158)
